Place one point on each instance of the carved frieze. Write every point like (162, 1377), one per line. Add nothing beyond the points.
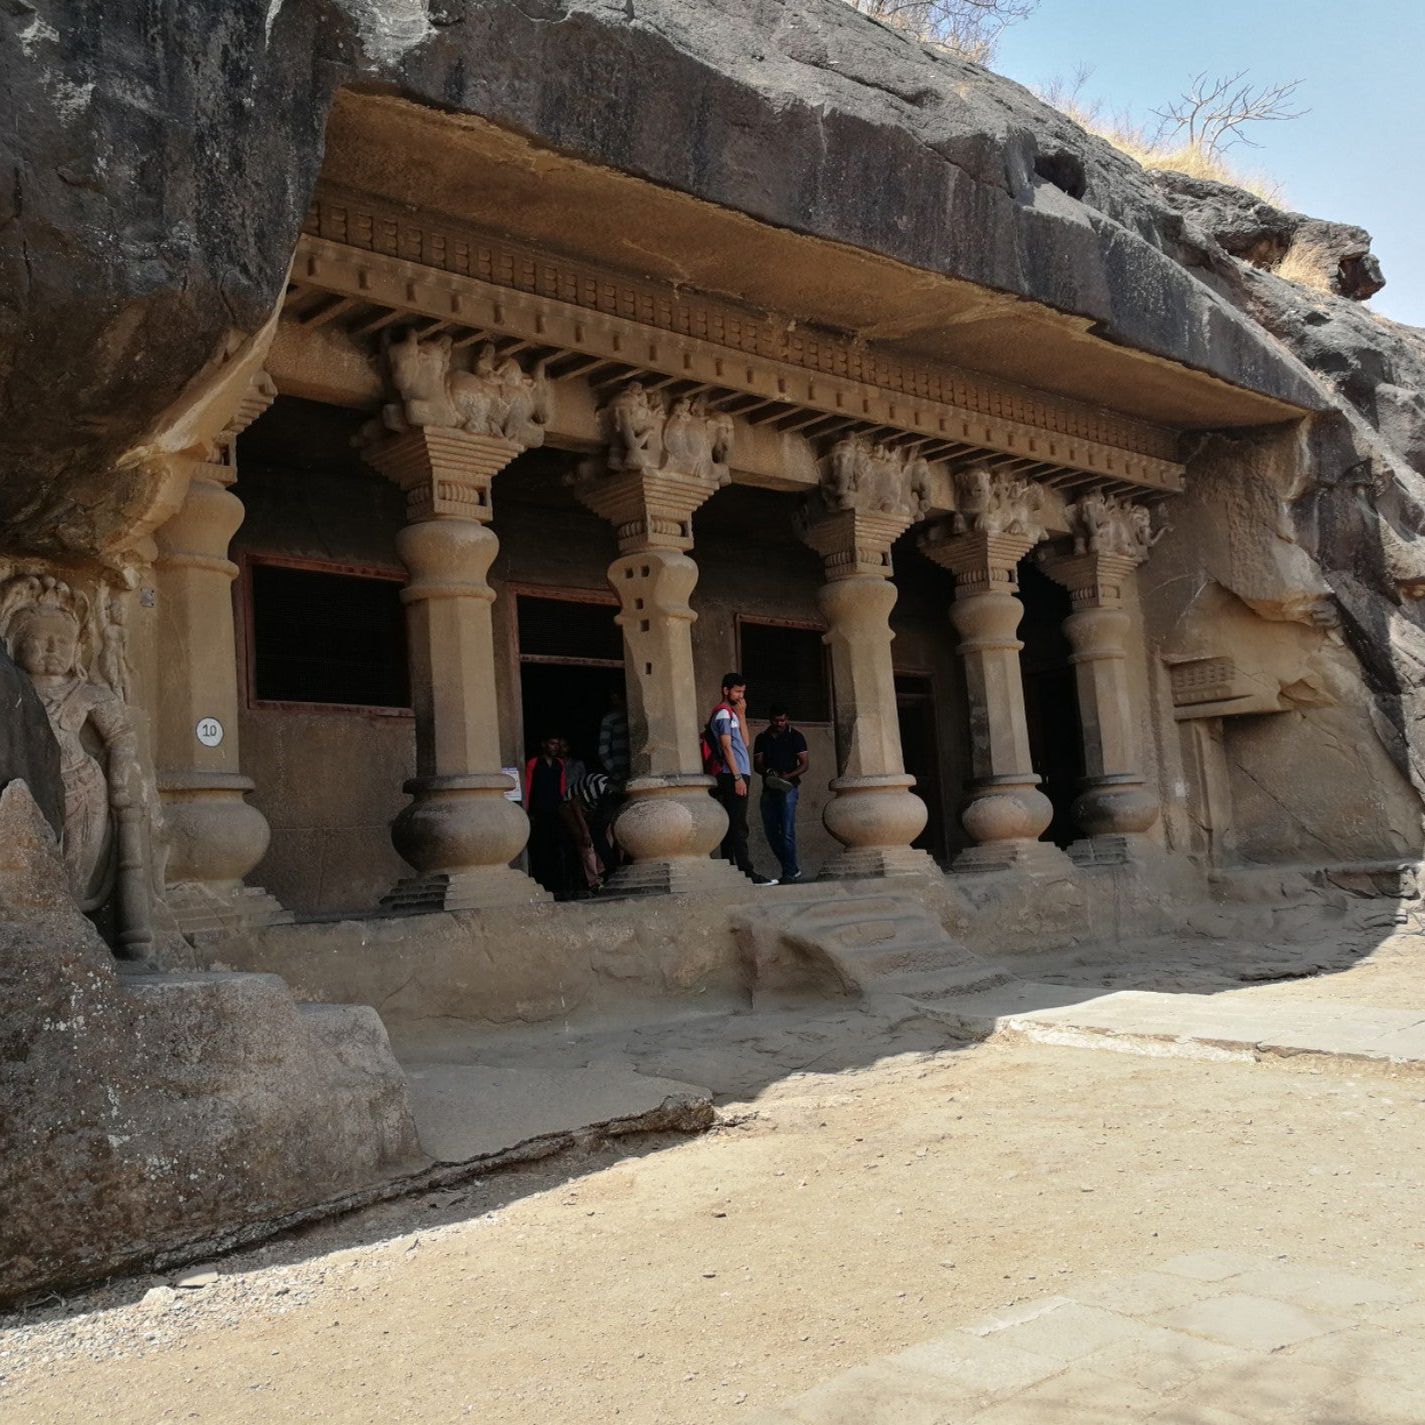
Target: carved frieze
(1045, 426)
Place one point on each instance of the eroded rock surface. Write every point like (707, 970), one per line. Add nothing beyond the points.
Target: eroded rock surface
(143, 1112)
(184, 142)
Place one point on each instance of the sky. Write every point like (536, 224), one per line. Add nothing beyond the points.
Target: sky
(1356, 157)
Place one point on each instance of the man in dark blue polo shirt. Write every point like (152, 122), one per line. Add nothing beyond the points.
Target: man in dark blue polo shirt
(780, 755)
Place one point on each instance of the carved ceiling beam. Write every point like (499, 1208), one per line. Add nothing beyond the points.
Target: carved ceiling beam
(1016, 424)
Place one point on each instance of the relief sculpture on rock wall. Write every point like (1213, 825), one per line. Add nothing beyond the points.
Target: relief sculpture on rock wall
(496, 398)
(51, 630)
(875, 479)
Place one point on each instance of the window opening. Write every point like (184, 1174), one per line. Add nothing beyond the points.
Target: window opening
(785, 663)
(329, 636)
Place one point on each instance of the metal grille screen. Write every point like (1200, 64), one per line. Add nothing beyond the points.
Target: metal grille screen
(785, 665)
(328, 638)
(568, 629)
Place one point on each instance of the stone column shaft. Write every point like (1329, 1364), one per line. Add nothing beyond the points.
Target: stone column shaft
(873, 812)
(670, 825)
(1007, 813)
(215, 838)
(460, 831)
(654, 587)
(1114, 807)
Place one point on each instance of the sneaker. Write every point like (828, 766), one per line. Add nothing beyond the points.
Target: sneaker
(762, 880)
(791, 880)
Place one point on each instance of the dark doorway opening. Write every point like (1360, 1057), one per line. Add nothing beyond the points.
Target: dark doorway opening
(571, 660)
(570, 700)
(915, 708)
(1051, 705)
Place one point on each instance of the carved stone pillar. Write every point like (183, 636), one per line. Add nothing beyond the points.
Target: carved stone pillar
(214, 837)
(872, 813)
(1007, 812)
(660, 467)
(460, 831)
(442, 439)
(1114, 808)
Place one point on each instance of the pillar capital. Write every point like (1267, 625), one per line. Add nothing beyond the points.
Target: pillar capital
(1111, 538)
(981, 561)
(444, 474)
(648, 509)
(448, 431)
(852, 543)
(997, 521)
(219, 463)
(662, 462)
(1094, 581)
(260, 394)
(870, 494)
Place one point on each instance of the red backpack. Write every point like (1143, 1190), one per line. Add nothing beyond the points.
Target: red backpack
(710, 746)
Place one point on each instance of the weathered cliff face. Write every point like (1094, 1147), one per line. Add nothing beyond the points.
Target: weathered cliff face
(1356, 500)
(165, 154)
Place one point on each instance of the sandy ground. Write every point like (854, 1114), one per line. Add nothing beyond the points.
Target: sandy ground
(835, 1217)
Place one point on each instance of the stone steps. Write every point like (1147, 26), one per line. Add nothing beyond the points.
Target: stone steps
(879, 943)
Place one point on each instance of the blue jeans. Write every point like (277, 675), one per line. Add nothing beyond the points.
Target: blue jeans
(779, 821)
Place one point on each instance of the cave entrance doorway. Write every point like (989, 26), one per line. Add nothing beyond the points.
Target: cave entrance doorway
(571, 661)
(920, 751)
(1051, 703)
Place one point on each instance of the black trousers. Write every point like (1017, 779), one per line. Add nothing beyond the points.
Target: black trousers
(549, 855)
(734, 844)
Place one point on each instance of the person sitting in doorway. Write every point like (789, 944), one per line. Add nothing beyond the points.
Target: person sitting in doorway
(780, 755)
(545, 784)
(726, 736)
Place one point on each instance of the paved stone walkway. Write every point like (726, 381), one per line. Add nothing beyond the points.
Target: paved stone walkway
(1231, 1024)
(1211, 1338)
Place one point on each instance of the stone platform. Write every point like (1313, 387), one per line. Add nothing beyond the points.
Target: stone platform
(1246, 1024)
(1207, 1338)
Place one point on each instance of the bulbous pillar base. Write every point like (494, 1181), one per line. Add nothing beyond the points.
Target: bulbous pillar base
(669, 827)
(876, 819)
(1114, 811)
(1006, 816)
(460, 834)
(214, 838)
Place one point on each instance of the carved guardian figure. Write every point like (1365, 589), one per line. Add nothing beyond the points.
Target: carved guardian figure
(43, 621)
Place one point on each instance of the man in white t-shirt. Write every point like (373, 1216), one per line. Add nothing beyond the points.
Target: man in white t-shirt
(727, 733)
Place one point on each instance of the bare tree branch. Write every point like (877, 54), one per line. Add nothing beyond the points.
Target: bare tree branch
(969, 27)
(1210, 113)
